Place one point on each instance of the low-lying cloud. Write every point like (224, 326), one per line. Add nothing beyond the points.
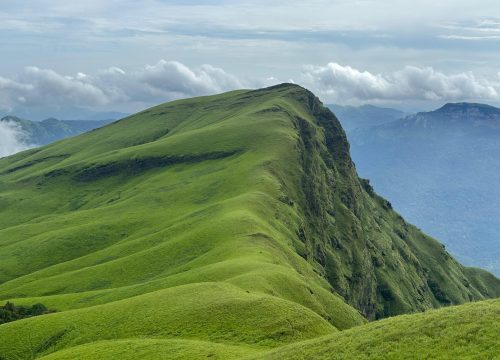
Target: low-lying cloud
(345, 83)
(130, 90)
(12, 138)
(166, 80)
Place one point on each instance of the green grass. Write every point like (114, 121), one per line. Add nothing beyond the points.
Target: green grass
(222, 225)
(459, 332)
(154, 349)
(211, 312)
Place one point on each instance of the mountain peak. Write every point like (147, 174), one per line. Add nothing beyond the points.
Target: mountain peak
(10, 118)
(51, 121)
(283, 86)
(456, 115)
(468, 107)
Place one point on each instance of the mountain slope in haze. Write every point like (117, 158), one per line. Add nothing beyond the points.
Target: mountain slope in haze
(223, 226)
(40, 113)
(354, 117)
(50, 130)
(446, 175)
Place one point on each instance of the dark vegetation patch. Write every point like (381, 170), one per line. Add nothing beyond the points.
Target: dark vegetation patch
(439, 294)
(149, 138)
(10, 312)
(272, 109)
(260, 235)
(387, 205)
(365, 183)
(139, 165)
(34, 162)
(56, 173)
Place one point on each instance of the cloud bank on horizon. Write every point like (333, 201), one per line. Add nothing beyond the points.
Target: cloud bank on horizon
(166, 80)
(169, 80)
(339, 82)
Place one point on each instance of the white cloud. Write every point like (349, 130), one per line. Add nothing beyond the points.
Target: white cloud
(163, 81)
(12, 138)
(118, 89)
(11, 92)
(480, 29)
(255, 37)
(344, 83)
(172, 79)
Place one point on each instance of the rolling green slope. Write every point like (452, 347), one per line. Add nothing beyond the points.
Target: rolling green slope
(467, 331)
(221, 225)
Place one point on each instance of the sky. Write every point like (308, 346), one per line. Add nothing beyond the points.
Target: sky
(74, 59)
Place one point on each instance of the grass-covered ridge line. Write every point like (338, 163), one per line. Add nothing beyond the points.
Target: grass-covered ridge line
(467, 331)
(234, 220)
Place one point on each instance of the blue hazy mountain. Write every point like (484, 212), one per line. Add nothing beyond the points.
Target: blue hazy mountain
(441, 170)
(45, 111)
(353, 117)
(50, 130)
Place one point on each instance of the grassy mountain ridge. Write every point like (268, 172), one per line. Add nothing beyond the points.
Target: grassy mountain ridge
(236, 220)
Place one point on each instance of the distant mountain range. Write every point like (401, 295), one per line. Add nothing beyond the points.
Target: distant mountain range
(441, 170)
(69, 112)
(354, 117)
(50, 130)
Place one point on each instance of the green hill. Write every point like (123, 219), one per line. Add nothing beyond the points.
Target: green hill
(217, 226)
(467, 331)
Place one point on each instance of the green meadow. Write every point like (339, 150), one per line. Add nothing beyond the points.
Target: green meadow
(224, 227)
(467, 331)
